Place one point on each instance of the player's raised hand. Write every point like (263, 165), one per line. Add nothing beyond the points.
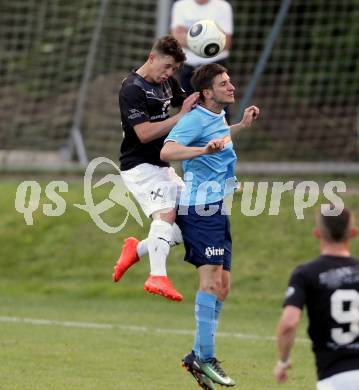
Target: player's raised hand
(215, 145)
(250, 114)
(190, 102)
(280, 371)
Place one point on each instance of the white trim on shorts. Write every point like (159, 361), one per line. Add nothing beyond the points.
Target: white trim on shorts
(348, 380)
(154, 188)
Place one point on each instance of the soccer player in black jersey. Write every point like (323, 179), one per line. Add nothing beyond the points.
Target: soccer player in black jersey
(329, 287)
(145, 98)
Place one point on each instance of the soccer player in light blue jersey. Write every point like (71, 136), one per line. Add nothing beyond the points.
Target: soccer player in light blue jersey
(202, 140)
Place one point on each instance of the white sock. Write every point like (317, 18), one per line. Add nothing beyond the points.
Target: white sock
(142, 247)
(176, 239)
(158, 244)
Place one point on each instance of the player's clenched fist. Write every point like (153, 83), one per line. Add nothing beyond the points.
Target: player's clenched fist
(215, 145)
(250, 114)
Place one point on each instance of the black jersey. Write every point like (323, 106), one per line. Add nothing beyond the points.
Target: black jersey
(329, 287)
(141, 101)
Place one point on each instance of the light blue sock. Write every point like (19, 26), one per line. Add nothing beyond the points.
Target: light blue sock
(195, 348)
(218, 309)
(205, 325)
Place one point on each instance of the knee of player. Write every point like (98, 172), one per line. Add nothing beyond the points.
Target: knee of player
(224, 292)
(212, 286)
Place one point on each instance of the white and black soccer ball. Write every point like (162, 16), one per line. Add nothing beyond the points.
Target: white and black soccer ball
(206, 39)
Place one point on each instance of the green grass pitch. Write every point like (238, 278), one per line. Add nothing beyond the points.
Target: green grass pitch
(105, 336)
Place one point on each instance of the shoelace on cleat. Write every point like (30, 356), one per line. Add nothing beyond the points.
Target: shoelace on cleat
(215, 363)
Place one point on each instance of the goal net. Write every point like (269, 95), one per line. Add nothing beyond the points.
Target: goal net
(309, 88)
(62, 62)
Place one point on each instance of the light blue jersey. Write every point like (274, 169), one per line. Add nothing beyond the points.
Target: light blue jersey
(208, 178)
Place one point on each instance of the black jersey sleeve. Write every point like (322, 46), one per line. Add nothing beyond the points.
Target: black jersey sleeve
(133, 105)
(296, 292)
(179, 95)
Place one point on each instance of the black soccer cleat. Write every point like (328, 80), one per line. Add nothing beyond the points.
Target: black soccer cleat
(190, 364)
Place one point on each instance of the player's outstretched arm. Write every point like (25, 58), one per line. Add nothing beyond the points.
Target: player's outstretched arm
(172, 151)
(251, 113)
(286, 331)
(149, 131)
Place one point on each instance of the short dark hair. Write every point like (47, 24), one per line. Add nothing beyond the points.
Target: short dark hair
(169, 46)
(204, 75)
(336, 227)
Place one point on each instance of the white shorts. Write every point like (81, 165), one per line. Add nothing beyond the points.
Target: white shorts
(348, 380)
(155, 188)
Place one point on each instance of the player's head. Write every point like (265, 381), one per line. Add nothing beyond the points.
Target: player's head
(335, 229)
(213, 84)
(165, 58)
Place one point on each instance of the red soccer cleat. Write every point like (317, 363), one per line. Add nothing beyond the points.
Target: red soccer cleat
(161, 285)
(128, 257)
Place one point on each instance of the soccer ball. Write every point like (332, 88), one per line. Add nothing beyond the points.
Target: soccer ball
(206, 39)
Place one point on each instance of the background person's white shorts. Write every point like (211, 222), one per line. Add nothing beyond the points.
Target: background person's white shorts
(154, 188)
(348, 380)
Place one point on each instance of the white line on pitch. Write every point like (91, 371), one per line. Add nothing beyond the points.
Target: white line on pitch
(131, 328)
